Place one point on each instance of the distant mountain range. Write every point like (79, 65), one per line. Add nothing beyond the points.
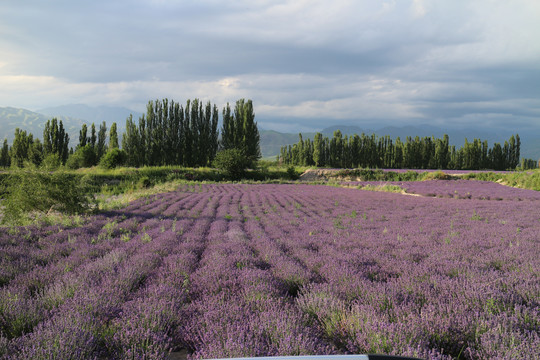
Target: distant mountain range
(90, 114)
(73, 116)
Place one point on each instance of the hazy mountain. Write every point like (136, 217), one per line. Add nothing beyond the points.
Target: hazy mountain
(72, 116)
(33, 122)
(91, 114)
(272, 141)
(345, 130)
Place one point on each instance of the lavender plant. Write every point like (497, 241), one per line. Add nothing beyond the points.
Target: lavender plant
(258, 270)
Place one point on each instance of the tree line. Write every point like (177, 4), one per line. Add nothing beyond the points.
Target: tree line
(54, 150)
(415, 153)
(168, 134)
(171, 134)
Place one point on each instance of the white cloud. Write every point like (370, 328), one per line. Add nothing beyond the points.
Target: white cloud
(419, 8)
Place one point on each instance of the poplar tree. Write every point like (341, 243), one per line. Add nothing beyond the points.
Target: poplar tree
(101, 146)
(83, 136)
(318, 149)
(93, 137)
(131, 143)
(21, 147)
(113, 137)
(240, 130)
(55, 140)
(187, 146)
(250, 137)
(5, 160)
(228, 131)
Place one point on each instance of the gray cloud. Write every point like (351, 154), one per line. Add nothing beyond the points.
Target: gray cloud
(314, 62)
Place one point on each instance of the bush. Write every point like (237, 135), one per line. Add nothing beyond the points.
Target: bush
(113, 158)
(144, 183)
(83, 157)
(233, 162)
(51, 162)
(292, 173)
(34, 192)
(435, 175)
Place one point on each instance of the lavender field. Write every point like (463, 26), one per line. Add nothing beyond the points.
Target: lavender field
(230, 270)
(458, 189)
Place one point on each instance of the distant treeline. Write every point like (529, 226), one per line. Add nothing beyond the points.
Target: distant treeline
(415, 153)
(168, 134)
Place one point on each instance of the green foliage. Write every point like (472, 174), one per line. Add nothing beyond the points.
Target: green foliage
(406, 176)
(233, 162)
(528, 164)
(382, 188)
(101, 145)
(55, 139)
(292, 173)
(113, 137)
(51, 162)
(240, 131)
(436, 175)
(31, 193)
(144, 183)
(83, 138)
(384, 152)
(363, 174)
(525, 179)
(113, 158)
(21, 148)
(169, 134)
(83, 157)
(5, 160)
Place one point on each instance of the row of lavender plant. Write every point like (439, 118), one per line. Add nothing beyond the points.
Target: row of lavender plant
(84, 299)
(458, 189)
(251, 270)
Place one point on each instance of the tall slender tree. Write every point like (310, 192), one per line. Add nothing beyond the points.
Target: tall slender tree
(83, 136)
(93, 137)
(113, 137)
(101, 146)
(21, 148)
(131, 143)
(5, 160)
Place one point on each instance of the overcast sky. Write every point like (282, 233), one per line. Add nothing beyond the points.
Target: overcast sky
(305, 64)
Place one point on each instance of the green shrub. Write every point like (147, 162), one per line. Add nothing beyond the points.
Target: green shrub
(292, 173)
(435, 175)
(31, 193)
(233, 162)
(83, 157)
(51, 162)
(113, 158)
(144, 183)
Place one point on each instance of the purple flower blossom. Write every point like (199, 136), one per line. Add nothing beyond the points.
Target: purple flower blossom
(227, 270)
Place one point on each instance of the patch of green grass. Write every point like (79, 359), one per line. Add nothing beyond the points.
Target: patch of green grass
(382, 187)
(476, 216)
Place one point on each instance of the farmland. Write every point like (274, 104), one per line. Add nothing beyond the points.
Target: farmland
(230, 270)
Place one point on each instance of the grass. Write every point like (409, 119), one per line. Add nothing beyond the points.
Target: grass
(383, 188)
(529, 179)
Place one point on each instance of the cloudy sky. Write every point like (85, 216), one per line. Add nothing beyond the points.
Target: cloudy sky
(305, 64)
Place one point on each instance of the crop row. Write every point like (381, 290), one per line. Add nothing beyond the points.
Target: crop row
(457, 189)
(232, 270)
